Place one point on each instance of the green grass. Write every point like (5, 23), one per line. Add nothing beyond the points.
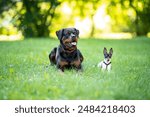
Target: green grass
(24, 75)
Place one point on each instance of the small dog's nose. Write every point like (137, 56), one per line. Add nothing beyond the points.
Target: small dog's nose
(73, 36)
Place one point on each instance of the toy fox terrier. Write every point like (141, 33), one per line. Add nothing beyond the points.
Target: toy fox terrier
(106, 63)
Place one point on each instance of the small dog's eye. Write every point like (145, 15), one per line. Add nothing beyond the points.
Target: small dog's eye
(105, 55)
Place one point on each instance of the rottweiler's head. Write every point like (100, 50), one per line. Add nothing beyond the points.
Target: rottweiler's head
(68, 38)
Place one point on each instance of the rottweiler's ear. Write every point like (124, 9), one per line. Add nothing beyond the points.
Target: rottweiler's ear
(77, 31)
(59, 33)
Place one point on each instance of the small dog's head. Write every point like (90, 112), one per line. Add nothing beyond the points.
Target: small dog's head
(68, 38)
(107, 56)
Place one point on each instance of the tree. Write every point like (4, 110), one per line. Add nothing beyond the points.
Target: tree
(34, 18)
(89, 8)
(140, 24)
(142, 19)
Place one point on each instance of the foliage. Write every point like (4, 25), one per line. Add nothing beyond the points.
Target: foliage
(25, 73)
(41, 18)
(140, 23)
(32, 17)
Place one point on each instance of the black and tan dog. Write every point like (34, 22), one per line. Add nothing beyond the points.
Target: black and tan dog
(66, 55)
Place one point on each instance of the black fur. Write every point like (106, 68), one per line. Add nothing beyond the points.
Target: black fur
(66, 55)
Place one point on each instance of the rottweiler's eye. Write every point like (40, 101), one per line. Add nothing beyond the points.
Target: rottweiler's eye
(68, 33)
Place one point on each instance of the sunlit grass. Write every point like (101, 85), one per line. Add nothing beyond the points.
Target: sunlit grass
(11, 37)
(25, 74)
(114, 35)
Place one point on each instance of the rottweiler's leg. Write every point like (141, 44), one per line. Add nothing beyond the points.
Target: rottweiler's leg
(81, 56)
(77, 65)
(79, 68)
(52, 56)
(61, 65)
(60, 68)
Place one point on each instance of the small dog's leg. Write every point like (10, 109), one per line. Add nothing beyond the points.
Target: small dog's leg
(109, 68)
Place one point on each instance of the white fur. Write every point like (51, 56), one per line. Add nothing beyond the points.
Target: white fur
(103, 66)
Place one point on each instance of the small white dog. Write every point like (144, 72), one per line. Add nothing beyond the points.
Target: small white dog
(106, 63)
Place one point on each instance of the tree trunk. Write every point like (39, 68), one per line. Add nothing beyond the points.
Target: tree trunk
(93, 27)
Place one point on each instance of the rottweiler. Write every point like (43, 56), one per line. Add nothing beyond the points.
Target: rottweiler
(66, 55)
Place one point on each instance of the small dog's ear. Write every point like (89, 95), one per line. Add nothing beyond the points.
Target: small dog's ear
(110, 52)
(105, 51)
(77, 31)
(59, 33)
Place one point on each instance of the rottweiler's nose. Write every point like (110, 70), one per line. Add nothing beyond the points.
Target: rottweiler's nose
(73, 37)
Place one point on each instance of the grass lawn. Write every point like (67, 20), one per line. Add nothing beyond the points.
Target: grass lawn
(24, 75)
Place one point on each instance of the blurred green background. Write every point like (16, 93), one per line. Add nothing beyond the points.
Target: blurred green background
(94, 18)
